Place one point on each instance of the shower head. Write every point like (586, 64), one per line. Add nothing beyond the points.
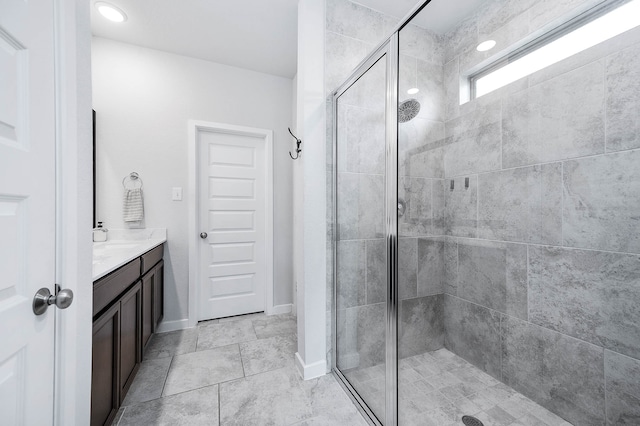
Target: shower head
(407, 110)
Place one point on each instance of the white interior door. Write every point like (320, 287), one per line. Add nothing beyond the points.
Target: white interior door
(27, 210)
(234, 214)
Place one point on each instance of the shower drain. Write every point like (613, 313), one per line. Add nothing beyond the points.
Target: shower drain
(471, 421)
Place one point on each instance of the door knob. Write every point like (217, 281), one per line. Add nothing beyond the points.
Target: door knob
(203, 235)
(43, 298)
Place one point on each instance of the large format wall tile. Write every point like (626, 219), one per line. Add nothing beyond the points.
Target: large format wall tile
(602, 201)
(438, 206)
(430, 266)
(343, 55)
(346, 338)
(465, 34)
(421, 148)
(370, 333)
(473, 333)
(407, 268)
(376, 271)
(623, 102)
(563, 374)
(461, 207)
(421, 44)
(360, 206)
(452, 89)
(369, 91)
(350, 273)
(418, 215)
(473, 141)
(497, 13)
(430, 81)
(355, 21)
(523, 204)
(622, 375)
(587, 294)
(558, 119)
(493, 275)
(361, 133)
(407, 72)
(451, 266)
(421, 325)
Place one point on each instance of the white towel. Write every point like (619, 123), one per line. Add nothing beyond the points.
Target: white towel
(133, 207)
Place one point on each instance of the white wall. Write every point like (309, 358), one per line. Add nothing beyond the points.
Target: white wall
(143, 99)
(311, 191)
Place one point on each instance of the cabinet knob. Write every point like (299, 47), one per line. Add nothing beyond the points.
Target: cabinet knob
(203, 235)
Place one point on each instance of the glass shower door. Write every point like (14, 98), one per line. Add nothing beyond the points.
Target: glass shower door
(360, 262)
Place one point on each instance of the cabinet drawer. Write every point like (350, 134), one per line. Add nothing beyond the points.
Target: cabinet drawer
(107, 289)
(150, 258)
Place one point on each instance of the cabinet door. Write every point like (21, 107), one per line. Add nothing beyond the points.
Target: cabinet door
(158, 295)
(130, 339)
(105, 399)
(147, 307)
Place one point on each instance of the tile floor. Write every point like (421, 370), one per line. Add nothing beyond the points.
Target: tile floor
(438, 388)
(232, 371)
(240, 371)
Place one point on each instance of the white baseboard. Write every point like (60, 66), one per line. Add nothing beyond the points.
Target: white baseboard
(279, 309)
(310, 371)
(166, 326)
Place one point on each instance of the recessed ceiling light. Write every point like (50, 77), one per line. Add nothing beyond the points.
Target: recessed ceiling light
(486, 45)
(111, 12)
(413, 91)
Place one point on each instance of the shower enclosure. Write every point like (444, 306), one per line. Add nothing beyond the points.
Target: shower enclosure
(486, 217)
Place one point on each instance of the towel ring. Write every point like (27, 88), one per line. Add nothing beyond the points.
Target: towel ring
(133, 178)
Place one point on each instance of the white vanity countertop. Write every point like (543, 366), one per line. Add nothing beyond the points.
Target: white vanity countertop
(122, 246)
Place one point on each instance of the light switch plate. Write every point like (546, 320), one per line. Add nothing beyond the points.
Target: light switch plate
(176, 194)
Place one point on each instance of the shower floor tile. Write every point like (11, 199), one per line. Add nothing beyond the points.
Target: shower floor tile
(440, 387)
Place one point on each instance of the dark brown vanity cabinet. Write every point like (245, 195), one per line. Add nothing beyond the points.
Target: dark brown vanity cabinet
(104, 379)
(127, 307)
(130, 342)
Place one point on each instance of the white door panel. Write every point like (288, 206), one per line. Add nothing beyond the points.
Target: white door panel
(27, 210)
(233, 212)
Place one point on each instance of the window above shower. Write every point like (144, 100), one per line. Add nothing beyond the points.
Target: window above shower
(592, 27)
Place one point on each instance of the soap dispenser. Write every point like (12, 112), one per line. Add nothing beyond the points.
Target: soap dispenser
(100, 233)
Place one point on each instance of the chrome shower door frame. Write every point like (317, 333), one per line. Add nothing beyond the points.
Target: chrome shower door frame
(389, 49)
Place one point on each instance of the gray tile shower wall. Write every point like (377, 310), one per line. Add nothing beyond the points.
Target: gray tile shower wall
(494, 275)
(420, 326)
(351, 32)
(541, 257)
(623, 389)
(531, 272)
(563, 374)
(473, 332)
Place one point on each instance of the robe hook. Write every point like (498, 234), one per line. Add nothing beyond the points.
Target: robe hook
(298, 143)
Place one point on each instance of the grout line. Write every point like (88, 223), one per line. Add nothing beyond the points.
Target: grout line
(554, 246)
(604, 98)
(543, 163)
(532, 324)
(244, 374)
(562, 203)
(366, 277)
(528, 295)
(604, 382)
(164, 384)
(219, 407)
